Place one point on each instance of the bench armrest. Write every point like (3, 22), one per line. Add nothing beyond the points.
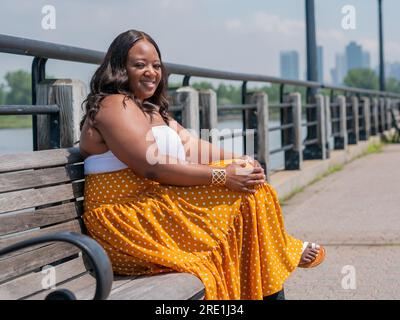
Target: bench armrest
(97, 256)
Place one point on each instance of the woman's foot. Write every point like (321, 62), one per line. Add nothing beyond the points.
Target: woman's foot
(312, 256)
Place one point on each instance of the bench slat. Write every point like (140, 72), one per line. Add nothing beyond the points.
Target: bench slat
(18, 200)
(158, 287)
(39, 159)
(83, 287)
(32, 283)
(73, 226)
(38, 218)
(39, 178)
(28, 261)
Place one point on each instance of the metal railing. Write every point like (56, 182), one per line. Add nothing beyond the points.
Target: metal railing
(42, 51)
(52, 110)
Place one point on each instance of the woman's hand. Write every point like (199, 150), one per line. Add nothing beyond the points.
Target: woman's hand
(243, 177)
(250, 160)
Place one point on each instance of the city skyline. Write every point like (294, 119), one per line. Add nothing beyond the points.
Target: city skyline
(352, 57)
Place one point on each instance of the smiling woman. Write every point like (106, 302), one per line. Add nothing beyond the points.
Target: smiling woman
(218, 220)
(122, 70)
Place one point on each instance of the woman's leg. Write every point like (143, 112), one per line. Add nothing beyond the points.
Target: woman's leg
(280, 295)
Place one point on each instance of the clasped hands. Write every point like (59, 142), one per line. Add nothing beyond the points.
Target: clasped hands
(244, 174)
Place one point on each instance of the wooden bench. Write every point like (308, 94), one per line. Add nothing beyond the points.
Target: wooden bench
(41, 203)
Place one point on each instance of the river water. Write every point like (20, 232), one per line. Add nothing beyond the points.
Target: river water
(20, 140)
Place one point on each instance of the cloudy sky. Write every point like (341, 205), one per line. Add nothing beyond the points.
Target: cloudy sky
(235, 35)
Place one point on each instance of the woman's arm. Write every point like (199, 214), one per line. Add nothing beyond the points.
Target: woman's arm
(127, 133)
(199, 150)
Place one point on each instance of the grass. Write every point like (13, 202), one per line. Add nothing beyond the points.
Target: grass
(13, 122)
(372, 148)
(330, 171)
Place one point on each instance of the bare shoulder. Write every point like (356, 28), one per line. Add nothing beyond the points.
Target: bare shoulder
(114, 107)
(113, 100)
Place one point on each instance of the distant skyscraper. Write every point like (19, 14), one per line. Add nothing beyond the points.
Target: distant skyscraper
(320, 64)
(366, 60)
(354, 56)
(340, 70)
(394, 70)
(289, 63)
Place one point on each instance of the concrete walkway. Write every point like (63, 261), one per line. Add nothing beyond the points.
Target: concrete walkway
(355, 214)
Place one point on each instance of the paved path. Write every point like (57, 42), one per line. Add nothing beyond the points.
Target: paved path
(355, 213)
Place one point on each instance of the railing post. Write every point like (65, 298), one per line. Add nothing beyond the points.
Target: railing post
(381, 115)
(387, 113)
(208, 112)
(316, 150)
(365, 133)
(208, 108)
(261, 141)
(294, 157)
(341, 141)
(189, 99)
(328, 125)
(374, 116)
(321, 130)
(68, 94)
(354, 136)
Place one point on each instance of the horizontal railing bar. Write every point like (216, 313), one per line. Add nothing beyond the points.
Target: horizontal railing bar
(282, 127)
(287, 147)
(28, 109)
(236, 107)
(35, 48)
(309, 124)
(312, 141)
(309, 106)
(175, 108)
(236, 134)
(280, 105)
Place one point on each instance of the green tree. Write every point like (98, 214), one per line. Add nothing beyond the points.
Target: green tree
(2, 94)
(229, 94)
(203, 85)
(393, 85)
(361, 78)
(19, 87)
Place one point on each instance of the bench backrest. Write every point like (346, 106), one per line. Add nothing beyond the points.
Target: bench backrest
(40, 193)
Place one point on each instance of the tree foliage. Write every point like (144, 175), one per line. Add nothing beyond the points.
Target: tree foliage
(19, 87)
(362, 78)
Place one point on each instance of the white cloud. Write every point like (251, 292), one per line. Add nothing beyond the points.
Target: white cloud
(265, 23)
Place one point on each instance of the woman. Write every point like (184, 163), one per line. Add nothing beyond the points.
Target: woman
(155, 207)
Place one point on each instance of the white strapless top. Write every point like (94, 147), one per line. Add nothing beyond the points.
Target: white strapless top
(168, 143)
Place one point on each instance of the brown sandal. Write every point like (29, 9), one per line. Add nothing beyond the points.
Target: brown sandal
(318, 259)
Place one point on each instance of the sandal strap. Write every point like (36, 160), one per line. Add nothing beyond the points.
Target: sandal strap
(313, 245)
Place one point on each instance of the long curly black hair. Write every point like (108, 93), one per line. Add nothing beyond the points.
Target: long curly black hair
(111, 78)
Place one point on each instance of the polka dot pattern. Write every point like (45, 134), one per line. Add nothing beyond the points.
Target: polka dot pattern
(234, 242)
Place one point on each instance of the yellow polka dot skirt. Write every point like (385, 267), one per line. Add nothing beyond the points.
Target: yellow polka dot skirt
(234, 242)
